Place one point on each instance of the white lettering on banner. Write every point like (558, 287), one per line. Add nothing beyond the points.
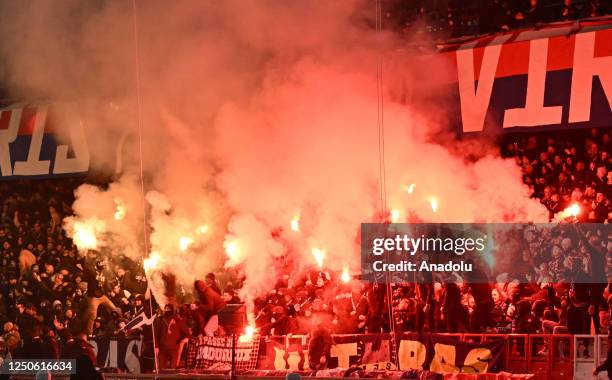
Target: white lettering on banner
(80, 162)
(586, 66)
(343, 352)
(222, 354)
(477, 360)
(34, 165)
(411, 354)
(7, 136)
(475, 100)
(534, 112)
(444, 359)
(290, 360)
(131, 360)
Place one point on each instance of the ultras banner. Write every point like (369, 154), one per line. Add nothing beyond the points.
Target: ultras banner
(216, 353)
(121, 353)
(445, 354)
(29, 143)
(370, 351)
(434, 352)
(556, 77)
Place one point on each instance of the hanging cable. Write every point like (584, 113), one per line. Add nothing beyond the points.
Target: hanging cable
(142, 185)
(380, 114)
(381, 164)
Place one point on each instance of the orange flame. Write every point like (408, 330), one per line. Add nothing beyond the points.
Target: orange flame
(185, 242)
(151, 262)
(346, 276)
(395, 215)
(85, 234)
(410, 188)
(247, 336)
(573, 211)
(231, 249)
(433, 202)
(319, 256)
(121, 210)
(295, 223)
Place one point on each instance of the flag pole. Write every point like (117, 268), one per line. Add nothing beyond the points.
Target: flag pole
(142, 186)
(150, 297)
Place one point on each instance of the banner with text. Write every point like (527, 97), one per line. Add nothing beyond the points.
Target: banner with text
(121, 353)
(445, 354)
(556, 77)
(370, 352)
(292, 353)
(29, 146)
(216, 353)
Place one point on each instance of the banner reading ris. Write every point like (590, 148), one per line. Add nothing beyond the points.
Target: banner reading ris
(29, 146)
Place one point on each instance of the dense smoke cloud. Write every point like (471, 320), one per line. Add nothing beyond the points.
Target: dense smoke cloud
(254, 114)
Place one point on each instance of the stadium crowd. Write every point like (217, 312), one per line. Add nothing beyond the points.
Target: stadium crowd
(51, 293)
(453, 18)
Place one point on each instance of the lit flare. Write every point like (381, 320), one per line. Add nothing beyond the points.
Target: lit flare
(395, 216)
(185, 242)
(572, 211)
(247, 336)
(319, 256)
(151, 262)
(295, 223)
(85, 235)
(231, 249)
(346, 276)
(120, 211)
(433, 202)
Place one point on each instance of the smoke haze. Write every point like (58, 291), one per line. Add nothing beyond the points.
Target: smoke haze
(254, 114)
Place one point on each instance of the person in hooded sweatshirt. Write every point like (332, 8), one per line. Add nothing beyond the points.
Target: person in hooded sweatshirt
(170, 329)
(212, 303)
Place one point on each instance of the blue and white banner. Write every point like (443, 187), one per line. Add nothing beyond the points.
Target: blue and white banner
(29, 146)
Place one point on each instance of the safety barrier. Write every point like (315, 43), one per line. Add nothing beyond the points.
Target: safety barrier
(549, 356)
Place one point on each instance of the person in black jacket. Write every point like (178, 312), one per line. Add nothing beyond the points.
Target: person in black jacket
(478, 285)
(319, 348)
(86, 370)
(607, 364)
(97, 289)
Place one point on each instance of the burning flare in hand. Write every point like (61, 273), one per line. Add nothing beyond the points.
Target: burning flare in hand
(295, 223)
(433, 202)
(247, 336)
(231, 249)
(185, 242)
(85, 234)
(409, 188)
(319, 256)
(203, 229)
(395, 216)
(151, 262)
(346, 276)
(121, 210)
(571, 211)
